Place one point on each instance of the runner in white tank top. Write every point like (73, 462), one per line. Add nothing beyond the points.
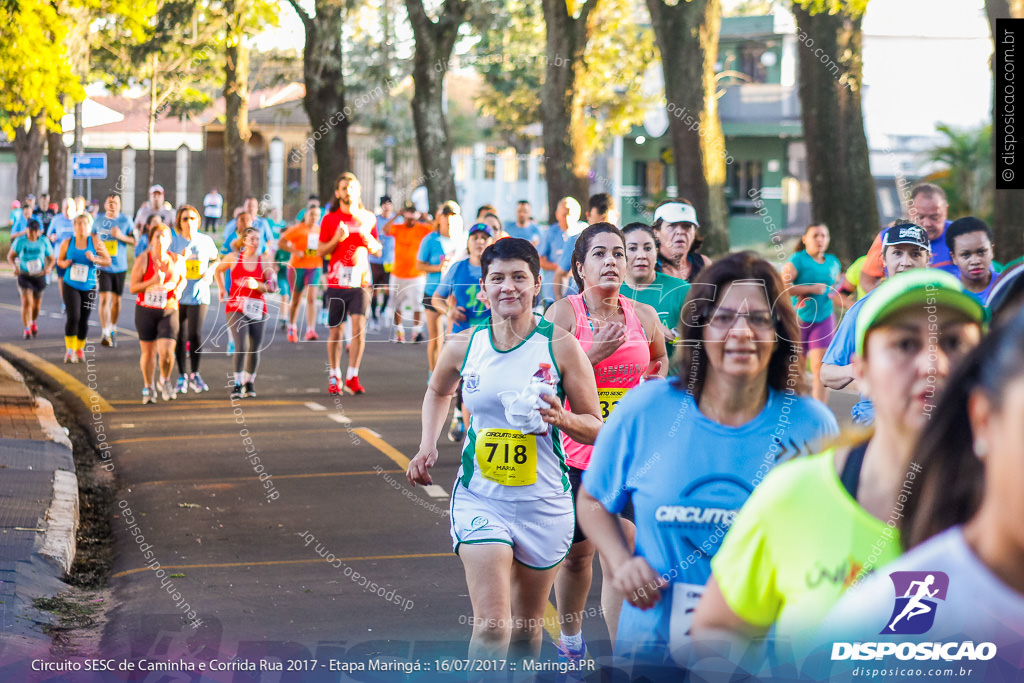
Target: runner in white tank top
(512, 514)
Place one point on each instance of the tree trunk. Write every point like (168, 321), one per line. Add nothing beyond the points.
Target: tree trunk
(28, 154)
(842, 188)
(151, 128)
(325, 94)
(687, 35)
(434, 43)
(236, 105)
(58, 158)
(566, 157)
(1008, 205)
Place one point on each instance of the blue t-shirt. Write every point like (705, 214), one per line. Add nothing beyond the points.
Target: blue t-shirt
(103, 228)
(463, 280)
(61, 228)
(199, 254)
(552, 244)
(565, 263)
(817, 307)
(687, 476)
(18, 222)
(81, 274)
(28, 252)
(840, 352)
(983, 296)
(434, 249)
(387, 242)
(531, 232)
(260, 223)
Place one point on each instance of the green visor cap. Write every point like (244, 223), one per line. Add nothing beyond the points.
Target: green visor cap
(922, 288)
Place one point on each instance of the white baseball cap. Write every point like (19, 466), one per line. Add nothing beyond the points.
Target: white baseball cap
(676, 212)
(157, 188)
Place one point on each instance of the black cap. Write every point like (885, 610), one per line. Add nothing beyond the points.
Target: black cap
(906, 233)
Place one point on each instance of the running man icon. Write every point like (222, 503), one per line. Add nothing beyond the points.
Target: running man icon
(916, 593)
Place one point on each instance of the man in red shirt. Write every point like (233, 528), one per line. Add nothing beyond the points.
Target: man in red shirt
(345, 237)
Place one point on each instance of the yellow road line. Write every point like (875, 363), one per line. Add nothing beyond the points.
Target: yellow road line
(209, 482)
(551, 622)
(383, 446)
(208, 403)
(228, 565)
(87, 396)
(185, 437)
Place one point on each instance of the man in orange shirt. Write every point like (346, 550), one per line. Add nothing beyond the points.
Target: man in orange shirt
(303, 270)
(407, 282)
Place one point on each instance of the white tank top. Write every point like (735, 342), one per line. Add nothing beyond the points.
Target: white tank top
(497, 461)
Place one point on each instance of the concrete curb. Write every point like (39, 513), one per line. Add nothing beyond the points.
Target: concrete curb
(62, 522)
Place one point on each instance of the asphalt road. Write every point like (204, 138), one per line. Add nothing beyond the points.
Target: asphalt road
(283, 523)
(278, 528)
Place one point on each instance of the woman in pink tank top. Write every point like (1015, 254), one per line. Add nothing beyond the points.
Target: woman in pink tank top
(624, 343)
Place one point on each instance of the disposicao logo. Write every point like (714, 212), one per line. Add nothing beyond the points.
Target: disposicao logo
(917, 594)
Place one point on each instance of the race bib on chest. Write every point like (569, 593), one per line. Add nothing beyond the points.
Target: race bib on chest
(193, 269)
(252, 308)
(507, 456)
(155, 297)
(345, 276)
(111, 246)
(78, 272)
(685, 597)
(609, 398)
(312, 241)
(33, 267)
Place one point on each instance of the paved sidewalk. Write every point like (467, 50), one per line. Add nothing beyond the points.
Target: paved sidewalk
(38, 513)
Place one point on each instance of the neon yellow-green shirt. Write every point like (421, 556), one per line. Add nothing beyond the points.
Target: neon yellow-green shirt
(797, 544)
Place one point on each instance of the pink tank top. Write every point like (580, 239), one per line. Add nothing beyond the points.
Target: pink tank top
(615, 375)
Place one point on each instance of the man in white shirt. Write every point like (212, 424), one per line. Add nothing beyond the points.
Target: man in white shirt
(154, 205)
(213, 209)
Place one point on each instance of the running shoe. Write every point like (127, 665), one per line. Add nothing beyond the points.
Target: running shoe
(28, 333)
(248, 391)
(166, 393)
(106, 341)
(353, 386)
(332, 385)
(113, 338)
(80, 356)
(182, 386)
(457, 430)
(419, 338)
(293, 333)
(197, 383)
(148, 395)
(311, 335)
(571, 657)
(35, 330)
(398, 337)
(69, 357)
(236, 391)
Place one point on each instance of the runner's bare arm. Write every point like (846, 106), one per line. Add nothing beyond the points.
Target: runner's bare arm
(714, 616)
(444, 382)
(583, 423)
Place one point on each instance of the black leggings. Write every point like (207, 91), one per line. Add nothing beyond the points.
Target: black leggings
(78, 304)
(248, 337)
(190, 327)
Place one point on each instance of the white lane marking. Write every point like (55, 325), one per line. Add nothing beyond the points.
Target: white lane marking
(435, 491)
(340, 419)
(315, 406)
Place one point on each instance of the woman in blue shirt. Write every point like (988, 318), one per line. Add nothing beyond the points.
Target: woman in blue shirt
(79, 255)
(32, 258)
(688, 452)
(811, 275)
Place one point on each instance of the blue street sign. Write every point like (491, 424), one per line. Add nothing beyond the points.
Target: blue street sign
(89, 166)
